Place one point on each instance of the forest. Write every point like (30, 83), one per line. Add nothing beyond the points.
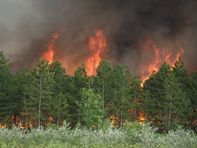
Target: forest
(46, 95)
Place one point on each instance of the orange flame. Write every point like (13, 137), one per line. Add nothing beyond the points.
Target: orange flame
(141, 117)
(97, 45)
(49, 54)
(159, 56)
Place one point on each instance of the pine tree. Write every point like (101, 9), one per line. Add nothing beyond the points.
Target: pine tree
(193, 96)
(38, 92)
(166, 103)
(23, 80)
(102, 84)
(91, 109)
(59, 102)
(185, 82)
(121, 94)
(137, 97)
(8, 104)
(178, 105)
(77, 82)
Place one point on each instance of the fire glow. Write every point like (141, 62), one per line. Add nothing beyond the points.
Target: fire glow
(159, 56)
(50, 53)
(97, 45)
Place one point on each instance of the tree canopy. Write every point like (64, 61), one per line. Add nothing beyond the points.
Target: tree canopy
(45, 94)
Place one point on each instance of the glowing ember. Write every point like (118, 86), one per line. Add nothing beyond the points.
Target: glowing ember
(49, 54)
(97, 45)
(141, 117)
(114, 121)
(3, 126)
(159, 56)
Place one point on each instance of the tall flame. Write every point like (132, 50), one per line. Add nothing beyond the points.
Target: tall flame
(50, 53)
(97, 45)
(159, 56)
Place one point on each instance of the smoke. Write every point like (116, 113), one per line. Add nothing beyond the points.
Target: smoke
(26, 27)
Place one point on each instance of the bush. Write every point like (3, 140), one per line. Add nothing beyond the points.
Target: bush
(132, 135)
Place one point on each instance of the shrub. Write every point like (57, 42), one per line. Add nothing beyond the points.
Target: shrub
(132, 135)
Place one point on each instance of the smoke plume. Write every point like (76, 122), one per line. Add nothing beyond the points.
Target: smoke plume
(26, 27)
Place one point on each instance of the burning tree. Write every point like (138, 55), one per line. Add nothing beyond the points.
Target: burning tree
(50, 95)
(97, 45)
(158, 56)
(167, 104)
(49, 54)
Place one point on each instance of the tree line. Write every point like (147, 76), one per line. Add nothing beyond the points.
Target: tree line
(46, 93)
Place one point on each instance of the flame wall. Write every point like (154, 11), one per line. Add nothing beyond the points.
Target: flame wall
(26, 28)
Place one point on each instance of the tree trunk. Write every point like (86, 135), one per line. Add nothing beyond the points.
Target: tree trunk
(103, 91)
(169, 115)
(58, 120)
(40, 101)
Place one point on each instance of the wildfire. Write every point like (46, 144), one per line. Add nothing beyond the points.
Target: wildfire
(50, 53)
(159, 56)
(97, 45)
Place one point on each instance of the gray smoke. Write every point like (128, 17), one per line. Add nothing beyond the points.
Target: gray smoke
(27, 25)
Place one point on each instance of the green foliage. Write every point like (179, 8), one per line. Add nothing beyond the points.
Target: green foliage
(122, 97)
(130, 136)
(166, 103)
(38, 92)
(46, 94)
(8, 103)
(114, 84)
(185, 83)
(91, 108)
(59, 99)
(192, 93)
(77, 83)
(102, 84)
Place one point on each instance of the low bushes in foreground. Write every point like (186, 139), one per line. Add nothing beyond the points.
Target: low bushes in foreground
(131, 135)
